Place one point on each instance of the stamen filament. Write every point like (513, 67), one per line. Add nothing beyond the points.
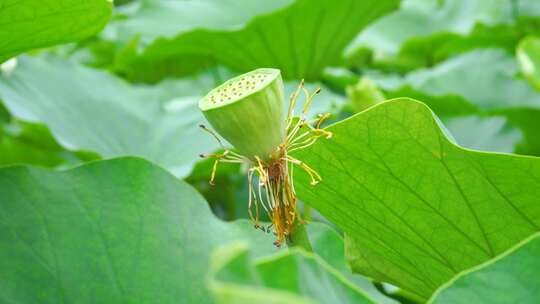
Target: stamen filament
(295, 130)
(315, 177)
(292, 103)
(211, 132)
(312, 142)
(309, 99)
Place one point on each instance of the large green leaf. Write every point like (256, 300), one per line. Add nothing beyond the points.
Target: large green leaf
(329, 245)
(421, 18)
(22, 143)
(300, 39)
(87, 109)
(478, 81)
(492, 133)
(527, 120)
(485, 78)
(116, 231)
(292, 277)
(92, 110)
(30, 24)
(4, 115)
(528, 54)
(13, 151)
(510, 278)
(166, 19)
(420, 52)
(416, 208)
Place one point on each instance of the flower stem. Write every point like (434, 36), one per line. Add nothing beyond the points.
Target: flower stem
(299, 237)
(307, 213)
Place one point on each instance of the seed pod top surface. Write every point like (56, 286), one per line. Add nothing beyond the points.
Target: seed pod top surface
(248, 112)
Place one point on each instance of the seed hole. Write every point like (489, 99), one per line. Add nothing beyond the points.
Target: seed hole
(239, 88)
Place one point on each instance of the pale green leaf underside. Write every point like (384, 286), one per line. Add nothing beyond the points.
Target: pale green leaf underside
(167, 19)
(477, 81)
(92, 110)
(117, 231)
(30, 24)
(329, 245)
(88, 109)
(416, 208)
(528, 54)
(30, 144)
(509, 278)
(419, 18)
(426, 51)
(300, 39)
(486, 78)
(491, 133)
(294, 277)
(14, 151)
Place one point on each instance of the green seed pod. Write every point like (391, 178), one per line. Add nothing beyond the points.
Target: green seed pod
(248, 112)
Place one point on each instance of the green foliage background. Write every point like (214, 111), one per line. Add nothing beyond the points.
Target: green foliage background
(431, 182)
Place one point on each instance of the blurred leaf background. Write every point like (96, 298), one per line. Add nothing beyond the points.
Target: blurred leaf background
(82, 81)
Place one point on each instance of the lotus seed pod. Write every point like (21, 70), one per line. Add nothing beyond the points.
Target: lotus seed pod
(248, 112)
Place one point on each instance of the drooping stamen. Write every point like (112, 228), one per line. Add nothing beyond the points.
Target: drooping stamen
(292, 103)
(309, 99)
(321, 119)
(303, 145)
(315, 177)
(211, 132)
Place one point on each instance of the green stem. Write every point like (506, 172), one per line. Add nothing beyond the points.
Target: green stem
(307, 213)
(299, 237)
(515, 9)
